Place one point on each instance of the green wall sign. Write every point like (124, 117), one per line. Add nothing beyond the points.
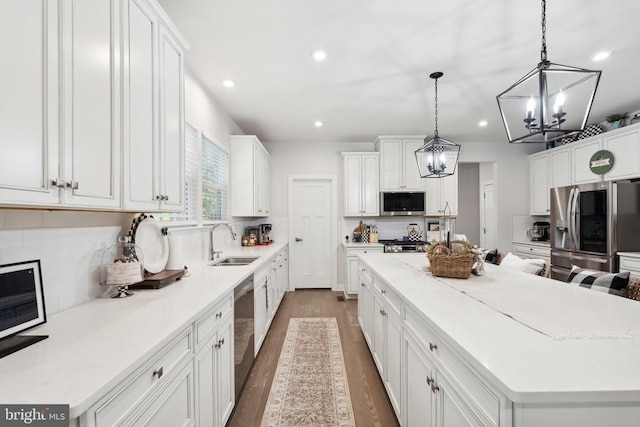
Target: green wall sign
(601, 162)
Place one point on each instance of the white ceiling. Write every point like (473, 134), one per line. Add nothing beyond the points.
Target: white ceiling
(375, 80)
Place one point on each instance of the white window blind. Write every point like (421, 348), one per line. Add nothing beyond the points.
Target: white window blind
(190, 213)
(215, 181)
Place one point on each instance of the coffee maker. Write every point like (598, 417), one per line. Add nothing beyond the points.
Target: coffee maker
(264, 233)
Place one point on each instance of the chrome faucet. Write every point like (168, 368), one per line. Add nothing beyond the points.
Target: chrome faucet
(213, 253)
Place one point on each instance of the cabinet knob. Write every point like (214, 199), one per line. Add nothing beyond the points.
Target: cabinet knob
(429, 380)
(432, 346)
(166, 197)
(434, 387)
(362, 284)
(158, 372)
(383, 292)
(73, 185)
(58, 183)
(159, 197)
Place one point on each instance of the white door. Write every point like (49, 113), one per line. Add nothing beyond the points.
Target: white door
(312, 217)
(488, 239)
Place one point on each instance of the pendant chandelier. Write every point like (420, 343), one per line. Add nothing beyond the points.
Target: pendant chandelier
(550, 101)
(438, 157)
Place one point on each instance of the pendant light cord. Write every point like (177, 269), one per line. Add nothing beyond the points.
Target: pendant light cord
(435, 133)
(543, 51)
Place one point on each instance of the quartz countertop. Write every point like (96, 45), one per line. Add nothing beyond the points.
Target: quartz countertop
(535, 339)
(360, 245)
(630, 254)
(541, 243)
(94, 346)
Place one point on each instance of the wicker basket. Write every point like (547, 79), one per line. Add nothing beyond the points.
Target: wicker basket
(444, 263)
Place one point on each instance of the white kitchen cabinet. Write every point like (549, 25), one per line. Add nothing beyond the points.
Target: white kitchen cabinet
(91, 88)
(353, 268)
(362, 184)
(581, 155)
(398, 167)
(560, 167)
(630, 261)
(29, 112)
(153, 161)
(539, 184)
(273, 298)
(260, 305)
(625, 146)
(440, 192)
(533, 250)
(249, 170)
(366, 305)
(282, 260)
(164, 375)
(215, 373)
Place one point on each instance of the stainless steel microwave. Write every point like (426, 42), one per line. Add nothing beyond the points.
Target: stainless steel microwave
(401, 203)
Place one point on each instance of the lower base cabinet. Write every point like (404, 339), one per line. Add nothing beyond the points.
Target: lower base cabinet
(215, 377)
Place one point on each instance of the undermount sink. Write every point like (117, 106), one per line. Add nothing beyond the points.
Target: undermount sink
(233, 261)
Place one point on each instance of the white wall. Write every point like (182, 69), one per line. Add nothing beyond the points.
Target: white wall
(468, 220)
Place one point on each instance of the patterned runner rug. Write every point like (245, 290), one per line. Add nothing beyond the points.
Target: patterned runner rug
(310, 386)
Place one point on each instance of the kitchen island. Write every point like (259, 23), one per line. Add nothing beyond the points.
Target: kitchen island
(507, 348)
(108, 355)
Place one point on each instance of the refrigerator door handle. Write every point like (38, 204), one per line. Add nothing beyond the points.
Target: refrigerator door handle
(574, 219)
(569, 217)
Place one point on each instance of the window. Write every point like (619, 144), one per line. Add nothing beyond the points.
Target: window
(202, 154)
(215, 181)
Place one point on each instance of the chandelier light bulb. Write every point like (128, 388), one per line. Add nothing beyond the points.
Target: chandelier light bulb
(531, 106)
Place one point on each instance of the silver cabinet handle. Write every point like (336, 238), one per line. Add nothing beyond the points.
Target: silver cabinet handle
(158, 372)
(434, 387)
(383, 292)
(298, 239)
(432, 346)
(429, 380)
(361, 283)
(72, 185)
(160, 197)
(166, 197)
(58, 183)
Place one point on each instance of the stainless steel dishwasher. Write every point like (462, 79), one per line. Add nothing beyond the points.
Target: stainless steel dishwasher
(243, 327)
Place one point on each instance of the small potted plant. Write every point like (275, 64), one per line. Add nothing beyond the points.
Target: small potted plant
(616, 120)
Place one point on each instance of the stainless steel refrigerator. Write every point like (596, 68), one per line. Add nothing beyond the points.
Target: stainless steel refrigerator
(591, 223)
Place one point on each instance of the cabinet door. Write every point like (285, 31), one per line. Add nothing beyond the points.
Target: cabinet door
(394, 362)
(560, 165)
(171, 123)
(174, 406)
(353, 275)
(420, 402)
(412, 179)
(391, 165)
(539, 182)
(626, 150)
(205, 362)
(379, 336)
(141, 156)
(260, 313)
(432, 197)
(451, 408)
(581, 155)
(29, 120)
(366, 299)
(353, 185)
(370, 185)
(91, 103)
(225, 376)
(266, 186)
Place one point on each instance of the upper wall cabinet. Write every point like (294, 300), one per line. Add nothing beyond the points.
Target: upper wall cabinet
(398, 167)
(29, 115)
(441, 193)
(153, 110)
(249, 177)
(569, 164)
(362, 194)
(86, 79)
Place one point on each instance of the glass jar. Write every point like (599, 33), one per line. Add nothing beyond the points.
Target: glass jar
(122, 265)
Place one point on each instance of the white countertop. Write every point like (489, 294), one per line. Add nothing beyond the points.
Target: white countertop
(361, 245)
(94, 346)
(489, 319)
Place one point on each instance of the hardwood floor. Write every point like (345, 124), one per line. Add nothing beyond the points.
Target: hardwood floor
(371, 406)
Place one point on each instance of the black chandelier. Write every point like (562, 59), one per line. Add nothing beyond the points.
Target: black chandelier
(550, 101)
(438, 157)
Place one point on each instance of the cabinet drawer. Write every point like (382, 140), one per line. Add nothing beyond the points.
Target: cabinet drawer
(365, 273)
(468, 384)
(119, 402)
(532, 251)
(390, 298)
(630, 264)
(367, 250)
(206, 326)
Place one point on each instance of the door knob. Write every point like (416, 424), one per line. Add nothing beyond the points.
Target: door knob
(298, 239)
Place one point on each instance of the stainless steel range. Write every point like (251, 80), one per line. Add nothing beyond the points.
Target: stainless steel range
(397, 246)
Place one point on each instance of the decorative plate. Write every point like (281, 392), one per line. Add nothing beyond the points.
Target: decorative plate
(152, 239)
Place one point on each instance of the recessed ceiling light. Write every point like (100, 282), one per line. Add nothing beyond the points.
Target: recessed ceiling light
(600, 56)
(319, 55)
(483, 123)
(229, 83)
(318, 124)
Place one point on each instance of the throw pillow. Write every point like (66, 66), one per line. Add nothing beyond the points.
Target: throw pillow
(491, 256)
(532, 266)
(612, 283)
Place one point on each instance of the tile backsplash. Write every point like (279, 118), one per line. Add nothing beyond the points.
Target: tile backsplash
(70, 246)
